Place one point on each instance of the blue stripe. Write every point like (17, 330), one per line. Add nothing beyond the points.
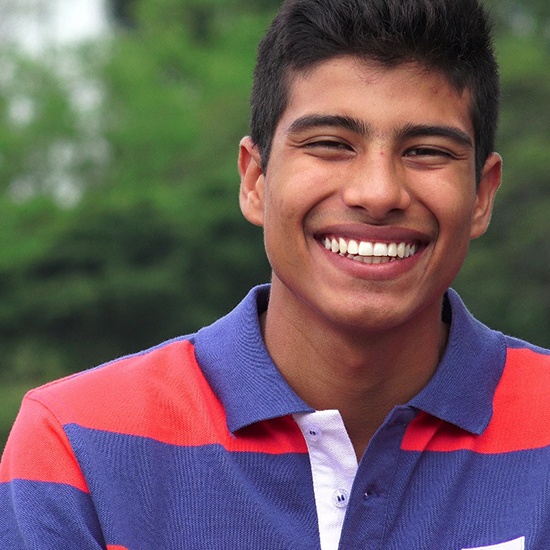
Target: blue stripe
(54, 517)
(154, 495)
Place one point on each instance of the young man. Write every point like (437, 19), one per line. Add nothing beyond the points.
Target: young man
(354, 403)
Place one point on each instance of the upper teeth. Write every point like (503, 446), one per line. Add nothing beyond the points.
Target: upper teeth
(353, 248)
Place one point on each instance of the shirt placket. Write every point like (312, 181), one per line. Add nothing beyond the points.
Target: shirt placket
(367, 512)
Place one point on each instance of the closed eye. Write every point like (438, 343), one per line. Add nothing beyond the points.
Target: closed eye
(428, 152)
(329, 144)
(329, 149)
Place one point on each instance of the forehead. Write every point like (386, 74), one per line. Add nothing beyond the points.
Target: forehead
(369, 89)
(367, 65)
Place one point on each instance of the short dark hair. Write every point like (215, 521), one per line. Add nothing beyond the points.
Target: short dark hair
(450, 36)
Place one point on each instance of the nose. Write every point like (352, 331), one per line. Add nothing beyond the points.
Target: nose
(377, 185)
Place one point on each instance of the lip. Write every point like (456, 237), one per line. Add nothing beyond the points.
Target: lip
(360, 232)
(375, 272)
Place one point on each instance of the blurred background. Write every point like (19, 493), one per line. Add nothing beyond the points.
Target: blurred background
(119, 222)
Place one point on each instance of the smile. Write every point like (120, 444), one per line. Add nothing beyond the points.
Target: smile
(370, 252)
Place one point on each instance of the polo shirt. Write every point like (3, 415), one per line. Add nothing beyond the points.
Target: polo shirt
(197, 444)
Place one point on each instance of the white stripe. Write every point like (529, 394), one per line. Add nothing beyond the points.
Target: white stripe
(516, 544)
(333, 468)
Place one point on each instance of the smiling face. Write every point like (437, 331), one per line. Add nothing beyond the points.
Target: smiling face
(369, 200)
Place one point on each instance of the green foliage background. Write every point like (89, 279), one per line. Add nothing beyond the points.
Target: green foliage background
(119, 222)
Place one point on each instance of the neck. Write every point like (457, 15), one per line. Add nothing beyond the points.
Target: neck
(361, 374)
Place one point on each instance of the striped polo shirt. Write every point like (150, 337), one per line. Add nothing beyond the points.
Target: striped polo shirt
(200, 444)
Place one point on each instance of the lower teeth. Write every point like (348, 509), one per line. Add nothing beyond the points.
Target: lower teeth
(371, 259)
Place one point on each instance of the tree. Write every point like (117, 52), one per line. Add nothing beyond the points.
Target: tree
(119, 223)
(506, 280)
(156, 245)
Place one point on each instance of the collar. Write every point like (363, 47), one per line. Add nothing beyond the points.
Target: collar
(237, 365)
(462, 388)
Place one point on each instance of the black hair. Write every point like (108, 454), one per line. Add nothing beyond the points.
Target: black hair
(450, 36)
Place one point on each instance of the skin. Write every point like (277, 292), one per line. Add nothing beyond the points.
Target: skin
(370, 154)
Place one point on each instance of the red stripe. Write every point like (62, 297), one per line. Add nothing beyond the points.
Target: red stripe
(115, 547)
(162, 395)
(520, 420)
(39, 450)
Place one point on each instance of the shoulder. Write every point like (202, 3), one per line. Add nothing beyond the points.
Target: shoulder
(521, 419)
(126, 394)
(122, 373)
(519, 406)
(525, 347)
(526, 375)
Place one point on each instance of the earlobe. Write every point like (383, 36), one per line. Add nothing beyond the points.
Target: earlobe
(251, 195)
(486, 192)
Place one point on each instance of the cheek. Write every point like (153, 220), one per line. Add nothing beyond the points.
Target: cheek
(289, 202)
(458, 213)
(452, 202)
(455, 224)
(276, 222)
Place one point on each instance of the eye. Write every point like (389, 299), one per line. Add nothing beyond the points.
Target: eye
(329, 144)
(428, 152)
(329, 149)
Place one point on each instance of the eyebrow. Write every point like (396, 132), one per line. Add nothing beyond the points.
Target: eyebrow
(451, 132)
(359, 127)
(334, 121)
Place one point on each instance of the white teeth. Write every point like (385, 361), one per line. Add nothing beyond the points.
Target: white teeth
(353, 247)
(366, 249)
(343, 246)
(369, 252)
(380, 249)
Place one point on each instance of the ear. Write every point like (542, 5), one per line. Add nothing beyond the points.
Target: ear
(486, 191)
(251, 195)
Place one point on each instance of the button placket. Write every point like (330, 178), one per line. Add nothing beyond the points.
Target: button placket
(333, 468)
(368, 507)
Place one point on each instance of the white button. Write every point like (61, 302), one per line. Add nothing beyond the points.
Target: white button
(340, 498)
(313, 433)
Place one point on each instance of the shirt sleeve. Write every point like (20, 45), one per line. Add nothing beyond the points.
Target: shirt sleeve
(45, 502)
